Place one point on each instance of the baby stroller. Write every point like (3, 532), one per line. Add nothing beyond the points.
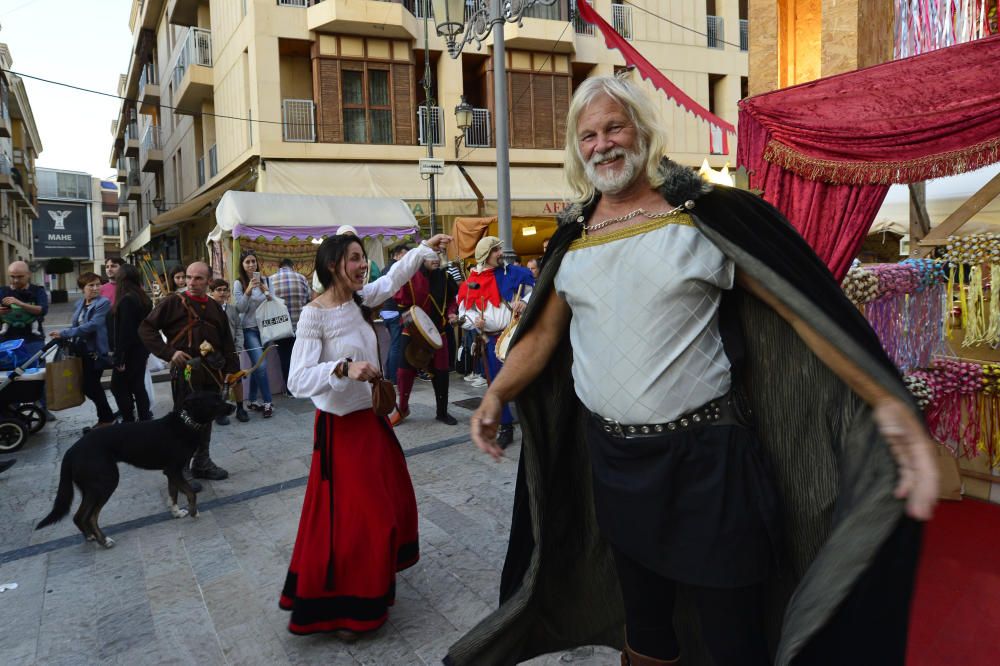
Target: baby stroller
(22, 385)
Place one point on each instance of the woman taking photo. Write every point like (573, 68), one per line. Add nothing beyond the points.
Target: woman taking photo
(359, 516)
(88, 338)
(128, 383)
(251, 290)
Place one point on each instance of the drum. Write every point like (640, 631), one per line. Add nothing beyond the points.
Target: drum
(424, 339)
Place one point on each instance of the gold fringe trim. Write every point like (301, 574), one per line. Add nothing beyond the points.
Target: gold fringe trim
(884, 173)
(630, 231)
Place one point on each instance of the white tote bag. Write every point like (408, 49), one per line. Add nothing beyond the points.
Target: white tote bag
(273, 321)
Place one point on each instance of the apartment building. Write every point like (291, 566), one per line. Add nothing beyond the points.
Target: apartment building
(19, 147)
(324, 97)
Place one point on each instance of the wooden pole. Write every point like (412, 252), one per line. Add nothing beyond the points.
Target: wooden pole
(938, 236)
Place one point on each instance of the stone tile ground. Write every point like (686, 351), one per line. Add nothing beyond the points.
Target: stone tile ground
(204, 591)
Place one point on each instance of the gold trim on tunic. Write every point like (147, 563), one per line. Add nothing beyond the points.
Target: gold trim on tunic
(632, 230)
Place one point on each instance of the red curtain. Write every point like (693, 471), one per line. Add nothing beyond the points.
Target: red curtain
(825, 152)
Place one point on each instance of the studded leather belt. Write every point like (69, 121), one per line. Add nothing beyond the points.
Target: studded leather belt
(729, 409)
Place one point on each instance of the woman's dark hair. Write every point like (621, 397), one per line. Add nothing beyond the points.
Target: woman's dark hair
(87, 278)
(129, 281)
(333, 251)
(244, 278)
(174, 271)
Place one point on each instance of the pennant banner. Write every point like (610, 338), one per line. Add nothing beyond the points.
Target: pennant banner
(613, 40)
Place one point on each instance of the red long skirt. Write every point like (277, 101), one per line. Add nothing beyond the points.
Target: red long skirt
(358, 527)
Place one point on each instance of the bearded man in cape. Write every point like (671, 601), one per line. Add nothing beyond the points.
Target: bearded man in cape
(723, 468)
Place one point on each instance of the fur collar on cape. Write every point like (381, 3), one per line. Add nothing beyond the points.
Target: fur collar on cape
(680, 184)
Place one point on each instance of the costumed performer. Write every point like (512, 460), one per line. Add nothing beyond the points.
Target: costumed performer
(487, 301)
(433, 290)
(359, 517)
(726, 463)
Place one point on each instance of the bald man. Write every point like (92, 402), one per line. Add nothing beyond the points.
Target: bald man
(187, 320)
(23, 307)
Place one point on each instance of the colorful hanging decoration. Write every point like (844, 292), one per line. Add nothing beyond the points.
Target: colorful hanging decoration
(905, 305)
(989, 414)
(973, 249)
(953, 417)
(860, 285)
(927, 25)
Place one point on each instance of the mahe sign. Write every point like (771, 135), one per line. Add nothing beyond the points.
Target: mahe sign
(62, 230)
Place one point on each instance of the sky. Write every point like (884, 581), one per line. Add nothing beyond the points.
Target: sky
(83, 42)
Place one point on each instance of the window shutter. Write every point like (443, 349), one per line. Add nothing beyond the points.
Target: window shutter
(563, 88)
(521, 135)
(541, 93)
(403, 110)
(329, 123)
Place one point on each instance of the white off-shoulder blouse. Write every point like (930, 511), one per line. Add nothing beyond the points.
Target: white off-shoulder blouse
(326, 336)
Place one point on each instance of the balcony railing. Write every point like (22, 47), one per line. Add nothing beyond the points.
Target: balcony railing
(621, 19)
(132, 131)
(213, 161)
(716, 33)
(4, 101)
(146, 76)
(201, 171)
(478, 135)
(436, 125)
(133, 175)
(580, 26)
(151, 139)
(744, 35)
(298, 120)
(5, 165)
(197, 50)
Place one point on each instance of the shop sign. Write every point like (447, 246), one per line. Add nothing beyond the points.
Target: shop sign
(62, 230)
(554, 207)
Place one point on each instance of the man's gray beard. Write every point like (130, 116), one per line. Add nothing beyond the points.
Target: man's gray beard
(616, 181)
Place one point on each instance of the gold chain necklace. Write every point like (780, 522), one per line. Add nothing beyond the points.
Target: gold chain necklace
(635, 213)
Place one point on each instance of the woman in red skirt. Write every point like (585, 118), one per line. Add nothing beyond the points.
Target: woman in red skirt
(359, 516)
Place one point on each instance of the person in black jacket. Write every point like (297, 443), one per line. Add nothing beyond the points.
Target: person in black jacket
(130, 355)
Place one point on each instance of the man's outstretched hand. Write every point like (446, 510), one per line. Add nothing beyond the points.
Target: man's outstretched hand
(913, 450)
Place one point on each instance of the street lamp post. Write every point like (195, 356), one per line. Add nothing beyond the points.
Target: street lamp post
(459, 29)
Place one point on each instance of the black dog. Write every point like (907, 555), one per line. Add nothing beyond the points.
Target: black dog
(166, 444)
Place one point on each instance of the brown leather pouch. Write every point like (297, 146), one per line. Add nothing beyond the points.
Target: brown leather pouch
(383, 397)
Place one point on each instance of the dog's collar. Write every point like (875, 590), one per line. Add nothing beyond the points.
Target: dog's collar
(190, 422)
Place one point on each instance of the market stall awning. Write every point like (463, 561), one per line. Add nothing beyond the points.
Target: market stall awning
(287, 216)
(202, 204)
(542, 184)
(137, 243)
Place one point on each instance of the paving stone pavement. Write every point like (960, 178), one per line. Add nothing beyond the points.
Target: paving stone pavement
(205, 591)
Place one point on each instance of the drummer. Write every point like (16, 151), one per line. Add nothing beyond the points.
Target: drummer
(487, 302)
(433, 291)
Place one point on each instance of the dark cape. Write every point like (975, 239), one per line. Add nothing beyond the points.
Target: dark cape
(841, 589)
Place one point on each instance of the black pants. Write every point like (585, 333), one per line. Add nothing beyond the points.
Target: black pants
(93, 390)
(180, 389)
(285, 356)
(129, 388)
(730, 617)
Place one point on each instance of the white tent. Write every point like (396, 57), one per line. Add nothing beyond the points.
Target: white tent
(300, 216)
(944, 196)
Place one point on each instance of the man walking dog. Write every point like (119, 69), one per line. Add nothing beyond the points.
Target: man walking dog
(199, 347)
